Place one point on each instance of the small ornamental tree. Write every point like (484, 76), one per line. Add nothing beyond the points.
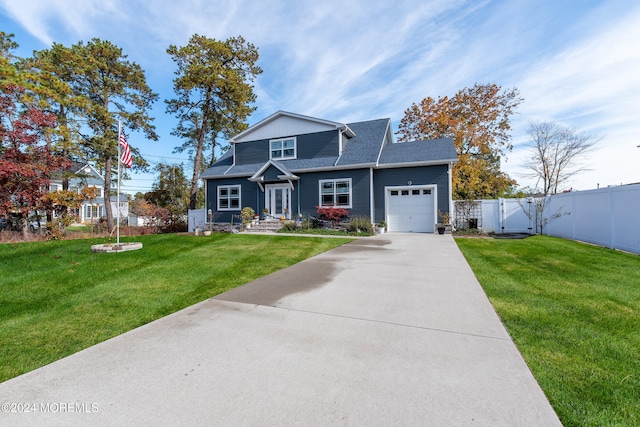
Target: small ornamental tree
(332, 215)
(536, 209)
(26, 162)
(65, 203)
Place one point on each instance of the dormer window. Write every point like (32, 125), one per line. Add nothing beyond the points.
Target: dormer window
(283, 149)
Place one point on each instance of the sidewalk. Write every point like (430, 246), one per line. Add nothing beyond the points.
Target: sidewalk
(389, 330)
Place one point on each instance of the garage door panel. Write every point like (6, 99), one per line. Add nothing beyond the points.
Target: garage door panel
(412, 211)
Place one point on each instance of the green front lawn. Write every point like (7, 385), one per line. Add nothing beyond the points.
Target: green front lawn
(58, 297)
(573, 310)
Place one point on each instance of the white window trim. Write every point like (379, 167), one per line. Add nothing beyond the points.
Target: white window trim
(295, 148)
(335, 198)
(229, 187)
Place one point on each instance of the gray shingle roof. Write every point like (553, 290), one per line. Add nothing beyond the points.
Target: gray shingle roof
(363, 149)
(432, 150)
(220, 166)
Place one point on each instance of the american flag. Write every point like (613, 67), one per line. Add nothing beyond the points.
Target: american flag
(125, 158)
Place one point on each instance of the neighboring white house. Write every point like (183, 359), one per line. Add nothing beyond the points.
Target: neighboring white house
(85, 175)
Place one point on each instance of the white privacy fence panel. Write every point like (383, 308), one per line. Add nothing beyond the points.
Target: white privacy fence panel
(197, 218)
(626, 224)
(502, 216)
(607, 217)
(514, 218)
(490, 216)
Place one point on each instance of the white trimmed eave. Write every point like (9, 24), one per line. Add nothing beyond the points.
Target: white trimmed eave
(341, 126)
(388, 135)
(347, 131)
(344, 167)
(94, 171)
(266, 166)
(233, 175)
(288, 177)
(413, 164)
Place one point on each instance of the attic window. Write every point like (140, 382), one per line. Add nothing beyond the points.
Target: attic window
(283, 149)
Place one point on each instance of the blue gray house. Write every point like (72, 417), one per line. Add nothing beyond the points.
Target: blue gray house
(290, 164)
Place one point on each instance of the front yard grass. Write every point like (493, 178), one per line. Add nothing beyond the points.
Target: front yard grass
(573, 310)
(58, 297)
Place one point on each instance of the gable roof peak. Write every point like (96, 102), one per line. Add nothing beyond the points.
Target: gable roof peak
(268, 129)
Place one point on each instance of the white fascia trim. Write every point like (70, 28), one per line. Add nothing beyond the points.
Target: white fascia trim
(235, 175)
(412, 164)
(93, 170)
(256, 176)
(346, 129)
(383, 141)
(333, 168)
(288, 177)
(266, 166)
(233, 163)
(281, 113)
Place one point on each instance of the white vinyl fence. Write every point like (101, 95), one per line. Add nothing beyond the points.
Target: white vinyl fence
(197, 218)
(607, 217)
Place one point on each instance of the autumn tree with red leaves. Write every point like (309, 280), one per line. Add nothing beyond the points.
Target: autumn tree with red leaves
(26, 162)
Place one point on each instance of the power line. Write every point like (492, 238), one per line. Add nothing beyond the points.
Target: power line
(165, 157)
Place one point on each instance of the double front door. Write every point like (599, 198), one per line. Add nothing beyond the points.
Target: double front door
(278, 200)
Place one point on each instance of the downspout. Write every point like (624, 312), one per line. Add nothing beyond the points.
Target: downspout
(450, 173)
(339, 147)
(299, 194)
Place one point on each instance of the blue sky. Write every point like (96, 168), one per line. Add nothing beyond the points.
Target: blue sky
(576, 62)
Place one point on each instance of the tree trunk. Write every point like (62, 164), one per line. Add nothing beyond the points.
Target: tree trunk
(197, 161)
(196, 171)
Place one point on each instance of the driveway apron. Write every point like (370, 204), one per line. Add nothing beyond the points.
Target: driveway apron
(388, 330)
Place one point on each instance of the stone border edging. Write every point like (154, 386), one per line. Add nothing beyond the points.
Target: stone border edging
(112, 247)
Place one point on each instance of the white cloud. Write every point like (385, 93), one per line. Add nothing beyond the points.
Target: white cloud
(357, 60)
(592, 85)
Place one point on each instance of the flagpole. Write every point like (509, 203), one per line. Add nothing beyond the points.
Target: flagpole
(118, 200)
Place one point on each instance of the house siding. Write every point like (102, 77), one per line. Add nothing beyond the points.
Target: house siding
(309, 190)
(421, 175)
(271, 174)
(250, 195)
(310, 146)
(316, 145)
(251, 152)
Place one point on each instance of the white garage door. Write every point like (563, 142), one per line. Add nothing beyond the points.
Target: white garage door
(411, 210)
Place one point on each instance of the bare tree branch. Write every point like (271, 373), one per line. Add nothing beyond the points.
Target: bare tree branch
(556, 153)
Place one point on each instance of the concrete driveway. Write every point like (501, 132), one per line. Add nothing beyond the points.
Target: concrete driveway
(388, 330)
